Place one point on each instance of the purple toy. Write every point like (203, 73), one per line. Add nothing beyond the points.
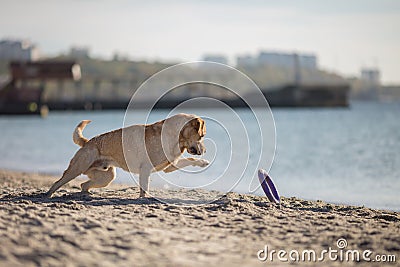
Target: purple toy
(268, 186)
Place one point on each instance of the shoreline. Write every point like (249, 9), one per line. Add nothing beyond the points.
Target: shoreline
(122, 183)
(114, 227)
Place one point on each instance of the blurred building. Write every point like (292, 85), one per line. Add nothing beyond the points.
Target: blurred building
(276, 59)
(368, 85)
(371, 76)
(390, 93)
(308, 61)
(216, 58)
(279, 59)
(246, 60)
(22, 50)
(79, 52)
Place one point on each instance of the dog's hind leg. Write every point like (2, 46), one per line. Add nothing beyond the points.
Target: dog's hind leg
(78, 164)
(98, 179)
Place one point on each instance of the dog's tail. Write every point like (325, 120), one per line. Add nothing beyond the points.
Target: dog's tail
(77, 136)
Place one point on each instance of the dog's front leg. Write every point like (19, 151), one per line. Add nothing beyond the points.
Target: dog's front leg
(144, 180)
(181, 163)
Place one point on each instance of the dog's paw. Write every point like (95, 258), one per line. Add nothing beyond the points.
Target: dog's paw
(202, 163)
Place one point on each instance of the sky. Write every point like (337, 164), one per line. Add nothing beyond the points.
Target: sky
(346, 35)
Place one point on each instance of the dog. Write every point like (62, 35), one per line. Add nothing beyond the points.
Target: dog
(148, 148)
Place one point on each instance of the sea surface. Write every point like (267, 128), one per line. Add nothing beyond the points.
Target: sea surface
(340, 155)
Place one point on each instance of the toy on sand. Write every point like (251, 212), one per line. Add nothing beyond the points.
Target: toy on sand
(268, 186)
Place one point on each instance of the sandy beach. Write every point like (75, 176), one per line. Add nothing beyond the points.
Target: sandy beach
(112, 227)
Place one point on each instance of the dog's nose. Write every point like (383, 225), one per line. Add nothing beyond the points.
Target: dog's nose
(193, 150)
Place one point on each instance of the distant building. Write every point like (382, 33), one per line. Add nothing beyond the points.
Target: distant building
(246, 61)
(216, 58)
(368, 86)
(279, 59)
(21, 50)
(308, 61)
(371, 76)
(287, 60)
(390, 93)
(79, 52)
(276, 59)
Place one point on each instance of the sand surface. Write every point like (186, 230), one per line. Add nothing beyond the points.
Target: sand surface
(114, 228)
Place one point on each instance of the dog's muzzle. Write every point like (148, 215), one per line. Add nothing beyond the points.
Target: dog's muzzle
(196, 151)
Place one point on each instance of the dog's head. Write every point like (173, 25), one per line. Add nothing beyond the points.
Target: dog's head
(191, 136)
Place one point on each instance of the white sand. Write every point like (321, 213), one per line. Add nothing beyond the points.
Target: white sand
(114, 228)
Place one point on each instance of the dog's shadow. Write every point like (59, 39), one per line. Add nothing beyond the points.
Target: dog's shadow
(100, 200)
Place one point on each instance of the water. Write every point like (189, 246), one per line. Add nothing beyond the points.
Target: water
(348, 156)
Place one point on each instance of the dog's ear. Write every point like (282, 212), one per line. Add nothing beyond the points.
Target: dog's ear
(200, 126)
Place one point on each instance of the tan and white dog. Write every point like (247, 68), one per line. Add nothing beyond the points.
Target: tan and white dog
(148, 148)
